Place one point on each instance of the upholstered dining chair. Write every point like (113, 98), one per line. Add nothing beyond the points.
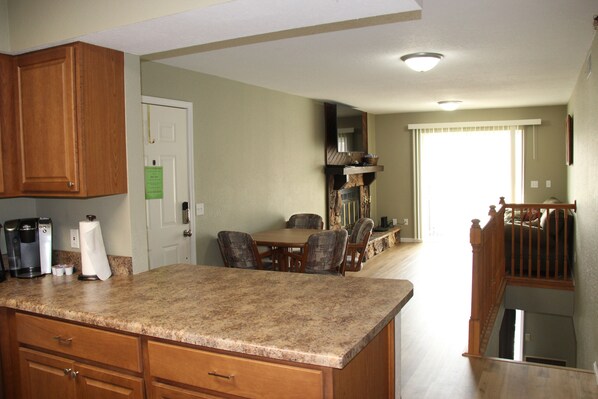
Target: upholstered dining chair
(239, 250)
(305, 221)
(323, 253)
(357, 243)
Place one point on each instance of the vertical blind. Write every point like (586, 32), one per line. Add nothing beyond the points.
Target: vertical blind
(459, 170)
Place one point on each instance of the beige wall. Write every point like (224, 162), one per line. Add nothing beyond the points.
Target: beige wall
(583, 187)
(4, 28)
(259, 154)
(394, 144)
(36, 23)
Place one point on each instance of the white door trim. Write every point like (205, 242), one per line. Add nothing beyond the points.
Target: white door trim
(191, 163)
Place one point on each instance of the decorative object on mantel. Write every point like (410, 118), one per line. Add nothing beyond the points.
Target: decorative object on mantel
(371, 159)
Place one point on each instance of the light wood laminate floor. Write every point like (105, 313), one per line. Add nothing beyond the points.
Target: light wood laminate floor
(434, 334)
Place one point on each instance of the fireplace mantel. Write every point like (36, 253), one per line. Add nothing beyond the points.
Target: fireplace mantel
(341, 173)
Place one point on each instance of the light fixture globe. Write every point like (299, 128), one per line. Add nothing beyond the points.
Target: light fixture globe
(449, 105)
(422, 62)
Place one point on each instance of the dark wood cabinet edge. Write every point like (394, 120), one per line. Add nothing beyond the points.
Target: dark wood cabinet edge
(9, 355)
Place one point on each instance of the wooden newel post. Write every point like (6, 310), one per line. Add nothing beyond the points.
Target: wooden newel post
(492, 211)
(475, 238)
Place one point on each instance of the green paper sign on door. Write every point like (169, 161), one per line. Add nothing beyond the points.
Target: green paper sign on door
(154, 182)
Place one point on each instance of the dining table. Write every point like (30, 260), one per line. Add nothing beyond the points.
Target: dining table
(281, 242)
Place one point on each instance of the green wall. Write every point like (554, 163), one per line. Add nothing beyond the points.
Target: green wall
(259, 154)
(394, 143)
(583, 187)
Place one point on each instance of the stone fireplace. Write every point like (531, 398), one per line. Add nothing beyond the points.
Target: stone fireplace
(344, 170)
(343, 214)
(350, 206)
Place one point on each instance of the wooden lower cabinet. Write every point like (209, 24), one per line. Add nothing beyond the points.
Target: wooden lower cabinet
(233, 375)
(165, 391)
(45, 376)
(184, 372)
(47, 358)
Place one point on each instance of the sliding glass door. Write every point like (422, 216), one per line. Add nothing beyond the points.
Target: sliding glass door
(462, 172)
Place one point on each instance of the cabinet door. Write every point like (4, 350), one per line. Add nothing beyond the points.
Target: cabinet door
(46, 124)
(164, 391)
(7, 136)
(45, 376)
(97, 383)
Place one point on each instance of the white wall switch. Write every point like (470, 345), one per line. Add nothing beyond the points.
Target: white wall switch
(74, 238)
(395, 222)
(199, 209)
(548, 183)
(534, 184)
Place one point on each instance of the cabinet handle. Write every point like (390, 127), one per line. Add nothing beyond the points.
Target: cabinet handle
(226, 377)
(63, 341)
(74, 374)
(67, 371)
(70, 184)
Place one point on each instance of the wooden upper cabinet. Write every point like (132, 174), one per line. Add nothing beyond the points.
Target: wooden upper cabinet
(71, 122)
(8, 155)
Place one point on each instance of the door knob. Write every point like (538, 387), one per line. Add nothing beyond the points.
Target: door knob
(187, 233)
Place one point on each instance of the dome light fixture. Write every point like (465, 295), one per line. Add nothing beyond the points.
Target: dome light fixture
(422, 62)
(449, 105)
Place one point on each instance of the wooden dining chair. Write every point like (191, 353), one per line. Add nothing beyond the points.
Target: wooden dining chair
(323, 253)
(239, 250)
(357, 244)
(305, 221)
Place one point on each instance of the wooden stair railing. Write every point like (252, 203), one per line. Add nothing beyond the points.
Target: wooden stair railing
(538, 257)
(541, 243)
(488, 278)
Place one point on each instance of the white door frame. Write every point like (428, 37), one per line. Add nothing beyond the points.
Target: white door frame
(190, 164)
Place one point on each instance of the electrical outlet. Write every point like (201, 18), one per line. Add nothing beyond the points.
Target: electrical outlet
(395, 222)
(405, 222)
(596, 371)
(74, 238)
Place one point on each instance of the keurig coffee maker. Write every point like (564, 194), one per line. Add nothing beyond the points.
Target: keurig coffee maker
(29, 247)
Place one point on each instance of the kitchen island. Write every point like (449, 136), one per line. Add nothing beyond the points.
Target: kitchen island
(285, 322)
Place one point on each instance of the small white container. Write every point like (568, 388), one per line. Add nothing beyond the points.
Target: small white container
(68, 269)
(58, 270)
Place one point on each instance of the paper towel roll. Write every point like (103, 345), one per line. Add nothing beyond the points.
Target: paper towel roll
(93, 253)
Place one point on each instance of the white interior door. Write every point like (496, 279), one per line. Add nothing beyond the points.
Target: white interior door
(166, 144)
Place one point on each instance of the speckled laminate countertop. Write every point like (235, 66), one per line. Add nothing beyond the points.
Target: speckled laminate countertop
(321, 320)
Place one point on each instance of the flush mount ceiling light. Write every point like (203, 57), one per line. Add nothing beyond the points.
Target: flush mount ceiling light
(422, 62)
(449, 105)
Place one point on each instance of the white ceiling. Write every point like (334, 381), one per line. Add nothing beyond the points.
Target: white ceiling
(506, 53)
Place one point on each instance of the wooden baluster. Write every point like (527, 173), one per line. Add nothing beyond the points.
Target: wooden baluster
(538, 251)
(565, 247)
(556, 243)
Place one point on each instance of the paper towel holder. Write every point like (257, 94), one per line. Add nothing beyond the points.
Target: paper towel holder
(92, 277)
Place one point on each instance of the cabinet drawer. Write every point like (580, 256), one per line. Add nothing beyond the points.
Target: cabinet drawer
(233, 375)
(106, 347)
